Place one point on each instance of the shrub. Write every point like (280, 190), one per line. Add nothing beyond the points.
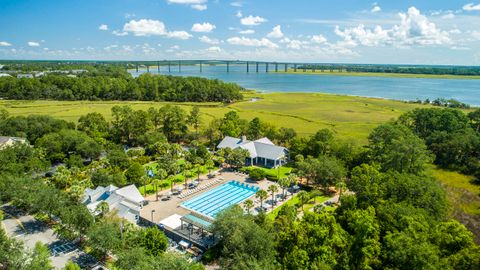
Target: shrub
(257, 174)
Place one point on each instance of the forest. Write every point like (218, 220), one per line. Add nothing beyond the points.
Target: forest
(112, 82)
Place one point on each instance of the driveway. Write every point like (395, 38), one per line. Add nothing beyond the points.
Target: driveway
(26, 228)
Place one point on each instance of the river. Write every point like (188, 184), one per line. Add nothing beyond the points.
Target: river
(466, 91)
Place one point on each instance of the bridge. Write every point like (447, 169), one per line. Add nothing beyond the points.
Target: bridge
(249, 66)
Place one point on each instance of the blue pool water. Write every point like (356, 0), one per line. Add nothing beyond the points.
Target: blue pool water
(219, 198)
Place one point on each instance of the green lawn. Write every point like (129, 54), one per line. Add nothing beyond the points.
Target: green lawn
(294, 201)
(351, 118)
(273, 174)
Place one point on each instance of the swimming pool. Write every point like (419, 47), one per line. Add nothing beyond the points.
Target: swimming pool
(219, 198)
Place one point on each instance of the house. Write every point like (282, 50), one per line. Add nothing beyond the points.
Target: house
(263, 152)
(9, 141)
(21, 76)
(126, 201)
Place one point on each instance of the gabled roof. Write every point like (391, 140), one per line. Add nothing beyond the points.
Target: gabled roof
(131, 193)
(260, 148)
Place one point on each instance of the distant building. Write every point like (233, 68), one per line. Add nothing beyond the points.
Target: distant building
(127, 201)
(9, 141)
(263, 152)
(24, 76)
(5, 75)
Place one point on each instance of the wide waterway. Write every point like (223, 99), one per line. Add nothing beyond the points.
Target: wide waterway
(467, 91)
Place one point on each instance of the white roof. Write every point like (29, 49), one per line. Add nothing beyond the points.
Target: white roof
(131, 193)
(263, 147)
(172, 221)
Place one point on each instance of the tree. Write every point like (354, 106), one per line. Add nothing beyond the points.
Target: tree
(261, 195)
(273, 189)
(248, 204)
(303, 197)
(254, 129)
(209, 164)
(40, 257)
(104, 237)
(329, 171)
(154, 241)
(237, 157)
(285, 135)
(173, 119)
(135, 173)
(102, 208)
(395, 147)
(72, 266)
(284, 183)
(243, 244)
(257, 174)
(475, 120)
(194, 119)
(94, 124)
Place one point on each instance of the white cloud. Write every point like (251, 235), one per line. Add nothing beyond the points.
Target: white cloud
(33, 44)
(5, 44)
(247, 32)
(448, 16)
(414, 29)
(203, 27)
(175, 47)
(119, 33)
(319, 39)
(199, 7)
(276, 32)
(179, 35)
(252, 42)
(129, 15)
(375, 8)
(208, 40)
(109, 48)
(145, 27)
(214, 49)
(236, 4)
(239, 14)
(471, 7)
(103, 27)
(252, 20)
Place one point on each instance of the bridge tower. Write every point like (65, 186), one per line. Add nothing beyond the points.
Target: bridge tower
(201, 69)
(228, 66)
(179, 66)
(295, 68)
(248, 67)
(158, 66)
(286, 67)
(266, 67)
(136, 67)
(257, 67)
(169, 66)
(276, 67)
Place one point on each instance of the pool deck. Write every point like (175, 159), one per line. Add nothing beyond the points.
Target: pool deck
(164, 209)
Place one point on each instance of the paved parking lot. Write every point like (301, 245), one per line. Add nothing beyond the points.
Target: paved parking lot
(26, 228)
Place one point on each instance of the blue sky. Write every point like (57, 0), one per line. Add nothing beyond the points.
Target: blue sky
(351, 31)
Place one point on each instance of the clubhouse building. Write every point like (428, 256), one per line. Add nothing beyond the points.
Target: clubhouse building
(263, 152)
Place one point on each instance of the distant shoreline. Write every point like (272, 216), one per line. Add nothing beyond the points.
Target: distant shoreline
(378, 74)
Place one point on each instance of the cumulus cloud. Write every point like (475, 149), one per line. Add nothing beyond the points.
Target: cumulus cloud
(319, 39)
(208, 40)
(103, 27)
(5, 44)
(375, 8)
(448, 16)
(199, 7)
(33, 44)
(147, 27)
(252, 42)
(239, 14)
(471, 7)
(276, 32)
(252, 20)
(247, 32)
(236, 4)
(179, 35)
(414, 29)
(203, 27)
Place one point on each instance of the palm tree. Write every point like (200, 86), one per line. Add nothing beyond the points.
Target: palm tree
(261, 195)
(209, 164)
(186, 171)
(303, 197)
(248, 204)
(102, 208)
(273, 189)
(293, 178)
(341, 186)
(284, 183)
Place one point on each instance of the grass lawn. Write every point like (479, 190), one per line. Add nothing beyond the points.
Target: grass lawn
(273, 174)
(294, 201)
(350, 117)
(336, 72)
